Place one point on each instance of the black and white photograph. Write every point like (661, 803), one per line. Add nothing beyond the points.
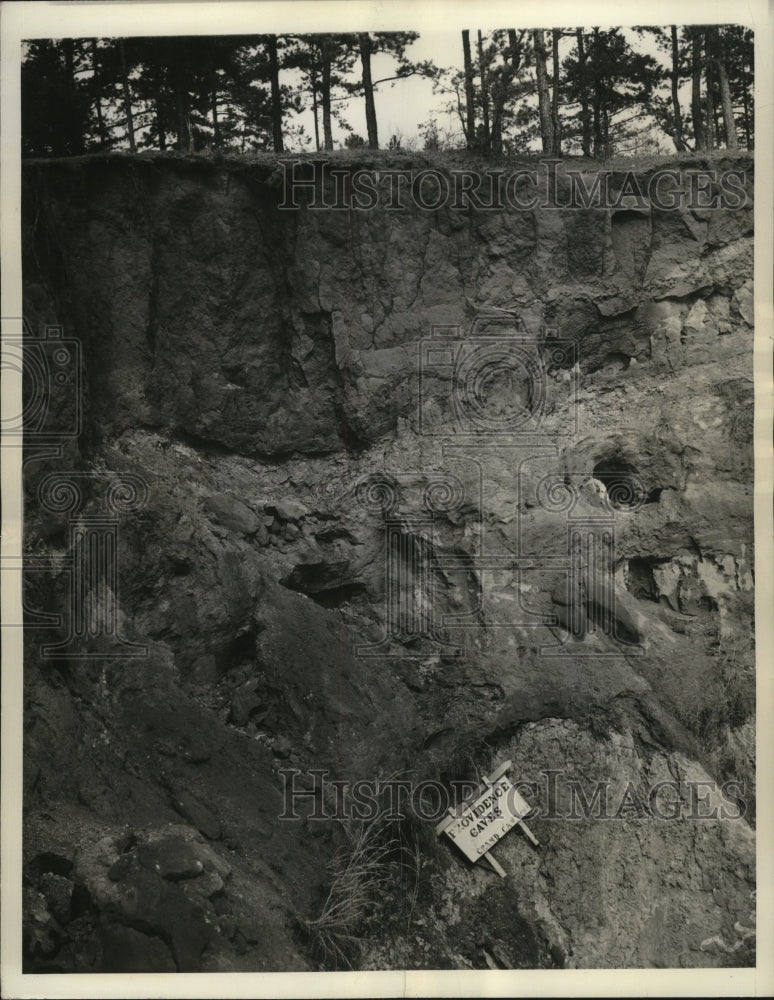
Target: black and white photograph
(387, 487)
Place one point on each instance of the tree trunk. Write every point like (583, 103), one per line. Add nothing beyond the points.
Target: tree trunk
(678, 134)
(699, 135)
(556, 149)
(364, 40)
(217, 140)
(69, 56)
(74, 129)
(127, 97)
(498, 104)
(313, 78)
(584, 96)
(606, 150)
(728, 107)
(184, 138)
(160, 127)
(711, 119)
(598, 106)
(544, 98)
(597, 125)
(103, 136)
(487, 136)
(500, 91)
(745, 108)
(470, 96)
(514, 43)
(276, 97)
(325, 97)
(183, 121)
(499, 97)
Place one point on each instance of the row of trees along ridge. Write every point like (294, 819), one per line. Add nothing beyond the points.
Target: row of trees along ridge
(574, 90)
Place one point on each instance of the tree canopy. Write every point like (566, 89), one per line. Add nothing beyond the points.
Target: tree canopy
(574, 90)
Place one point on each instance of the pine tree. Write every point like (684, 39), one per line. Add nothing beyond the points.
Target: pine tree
(469, 120)
(393, 43)
(605, 78)
(544, 97)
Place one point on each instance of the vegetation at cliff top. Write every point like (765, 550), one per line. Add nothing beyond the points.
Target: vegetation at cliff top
(564, 91)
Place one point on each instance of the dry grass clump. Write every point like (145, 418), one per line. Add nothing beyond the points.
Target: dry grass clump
(374, 879)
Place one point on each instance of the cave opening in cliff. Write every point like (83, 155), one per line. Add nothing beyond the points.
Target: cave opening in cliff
(641, 582)
(344, 593)
(624, 486)
(240, 649)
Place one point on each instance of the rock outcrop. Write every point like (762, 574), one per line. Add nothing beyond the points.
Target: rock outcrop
(347, 541)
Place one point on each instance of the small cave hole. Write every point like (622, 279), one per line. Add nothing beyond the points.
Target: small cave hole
(617, 361)
(48, 861)
(81, 903)
(241, 649)
(621, 479)
(344, 593)
(323, 582)
(641, 582)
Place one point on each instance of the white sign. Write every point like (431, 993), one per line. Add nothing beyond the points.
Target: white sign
(481, 822)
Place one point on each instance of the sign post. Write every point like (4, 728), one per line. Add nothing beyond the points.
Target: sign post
(485, 816)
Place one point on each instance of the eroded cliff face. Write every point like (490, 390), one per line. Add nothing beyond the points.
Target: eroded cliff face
(328, 568)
